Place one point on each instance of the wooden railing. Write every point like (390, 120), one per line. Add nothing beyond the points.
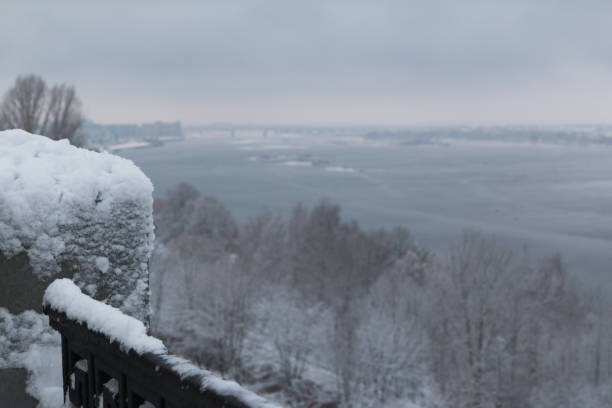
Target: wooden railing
(98, 373)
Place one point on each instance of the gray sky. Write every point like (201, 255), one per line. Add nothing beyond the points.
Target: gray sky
(324, 62)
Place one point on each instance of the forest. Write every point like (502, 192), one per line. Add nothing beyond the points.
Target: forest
(316, 311)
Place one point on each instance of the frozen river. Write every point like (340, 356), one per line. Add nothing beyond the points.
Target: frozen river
(545, 198)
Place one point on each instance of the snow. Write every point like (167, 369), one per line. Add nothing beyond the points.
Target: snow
(19, 332)
(113, 386)
(210, 381)
(131, 334)
(82, 365)
(102, 264)
(129, 145)
(44, 363)
(63, 205)
(27, 341)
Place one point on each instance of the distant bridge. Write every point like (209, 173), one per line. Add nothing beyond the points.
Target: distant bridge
(266, 130)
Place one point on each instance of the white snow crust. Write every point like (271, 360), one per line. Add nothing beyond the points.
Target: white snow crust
(64, 296)
(68, 207)
(113, 386)
(210, 381)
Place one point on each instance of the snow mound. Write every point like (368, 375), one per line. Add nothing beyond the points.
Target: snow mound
(130, 333)
(78, 212)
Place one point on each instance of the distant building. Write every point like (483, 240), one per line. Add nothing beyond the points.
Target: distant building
(114, 134)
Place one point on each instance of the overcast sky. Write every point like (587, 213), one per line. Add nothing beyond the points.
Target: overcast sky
(327, 62)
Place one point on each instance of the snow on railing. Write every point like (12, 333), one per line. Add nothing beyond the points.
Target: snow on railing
(108, 360)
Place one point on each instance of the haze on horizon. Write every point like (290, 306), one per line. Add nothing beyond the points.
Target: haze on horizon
(337, 62)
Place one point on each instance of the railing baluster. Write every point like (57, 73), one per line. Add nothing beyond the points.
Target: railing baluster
(64, 366)
(91, 385)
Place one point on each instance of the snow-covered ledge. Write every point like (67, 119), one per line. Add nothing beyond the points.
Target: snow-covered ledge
(108, 357)
(71, 212)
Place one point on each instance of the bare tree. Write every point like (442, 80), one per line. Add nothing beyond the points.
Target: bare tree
(34, 107)
(473, 290)
(297, 329)
(63, 118)
(183, 212)
(392, 366)
(23, 105)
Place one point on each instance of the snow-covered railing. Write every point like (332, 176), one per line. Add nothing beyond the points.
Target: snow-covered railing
(109, 361)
